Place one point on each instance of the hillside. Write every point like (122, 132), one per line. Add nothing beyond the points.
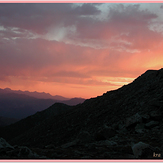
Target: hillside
(19, 106)
(113, 125)
(7, 121)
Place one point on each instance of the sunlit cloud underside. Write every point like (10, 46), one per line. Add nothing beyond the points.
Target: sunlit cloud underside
(78, 50)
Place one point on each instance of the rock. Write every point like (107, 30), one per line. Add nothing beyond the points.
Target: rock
(20, 152)
(50, 146)
(138, 149)
(104, 133)
(157, 127)
(155, 115)
(70, 144)
(108, 132)
(151, 124)
(91, 146)
(4, 144)
(133, 120)
(123, 131)
(154, 103)
(139, 128)
(99, 136)
(110, 143)
(127, 149)
(115, 126)
(85, 157)
(105, 143)
(121, 126)
(107, 155)
(25, 152)
(85, 136)
(143, 150)
(145, 118)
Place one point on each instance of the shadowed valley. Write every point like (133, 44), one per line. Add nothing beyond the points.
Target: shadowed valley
(20, 104)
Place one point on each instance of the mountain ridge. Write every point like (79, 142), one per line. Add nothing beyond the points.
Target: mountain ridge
(103, 127)
(17, 105)
(40, 95)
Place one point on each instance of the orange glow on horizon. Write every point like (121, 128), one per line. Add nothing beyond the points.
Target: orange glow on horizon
(69, 91)
(83, 53)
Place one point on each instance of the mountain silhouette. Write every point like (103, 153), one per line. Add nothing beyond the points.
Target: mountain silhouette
(39, 95)
(13, 104)
(121, 124)
(7, 121)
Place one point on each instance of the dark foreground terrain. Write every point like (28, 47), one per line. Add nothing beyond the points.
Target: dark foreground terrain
(125, 123)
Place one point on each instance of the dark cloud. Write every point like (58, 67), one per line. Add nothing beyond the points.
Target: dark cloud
(44, 18)
(86, 9)
(38, 17)
(131, 14)
(120, 19)
(125, 25)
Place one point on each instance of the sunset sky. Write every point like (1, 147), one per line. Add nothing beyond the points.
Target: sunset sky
(78, 50)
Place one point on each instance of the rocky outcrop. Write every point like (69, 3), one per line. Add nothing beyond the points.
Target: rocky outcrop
(4, 144)
(84, 137)
(133, 120)
(143, 150)
(151, 124)
(16, 152)
(104, 133)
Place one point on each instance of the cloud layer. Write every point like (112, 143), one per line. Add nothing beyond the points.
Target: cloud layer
(78, 49)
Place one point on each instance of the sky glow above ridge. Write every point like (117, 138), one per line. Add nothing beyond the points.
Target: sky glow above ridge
(78, 50)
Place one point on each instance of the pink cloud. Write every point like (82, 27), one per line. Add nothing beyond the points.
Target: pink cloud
(89, 50)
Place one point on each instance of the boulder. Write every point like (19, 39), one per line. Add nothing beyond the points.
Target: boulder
(145, 118)
(138, 149)
(115, 126)
(4, 144)
(144, 151)
(133, 120)
(139, 128)
(99, 136)
(85, 136)
(70, 144)
(25, 152)
(106, 132)
(155, 115)
(151, 124)
(8, 151)
(105, 143)
(50, 146)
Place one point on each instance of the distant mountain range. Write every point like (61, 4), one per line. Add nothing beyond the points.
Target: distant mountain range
(40, 95)
(20, 104)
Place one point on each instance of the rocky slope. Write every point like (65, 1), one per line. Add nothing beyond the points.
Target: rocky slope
(122, 124)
